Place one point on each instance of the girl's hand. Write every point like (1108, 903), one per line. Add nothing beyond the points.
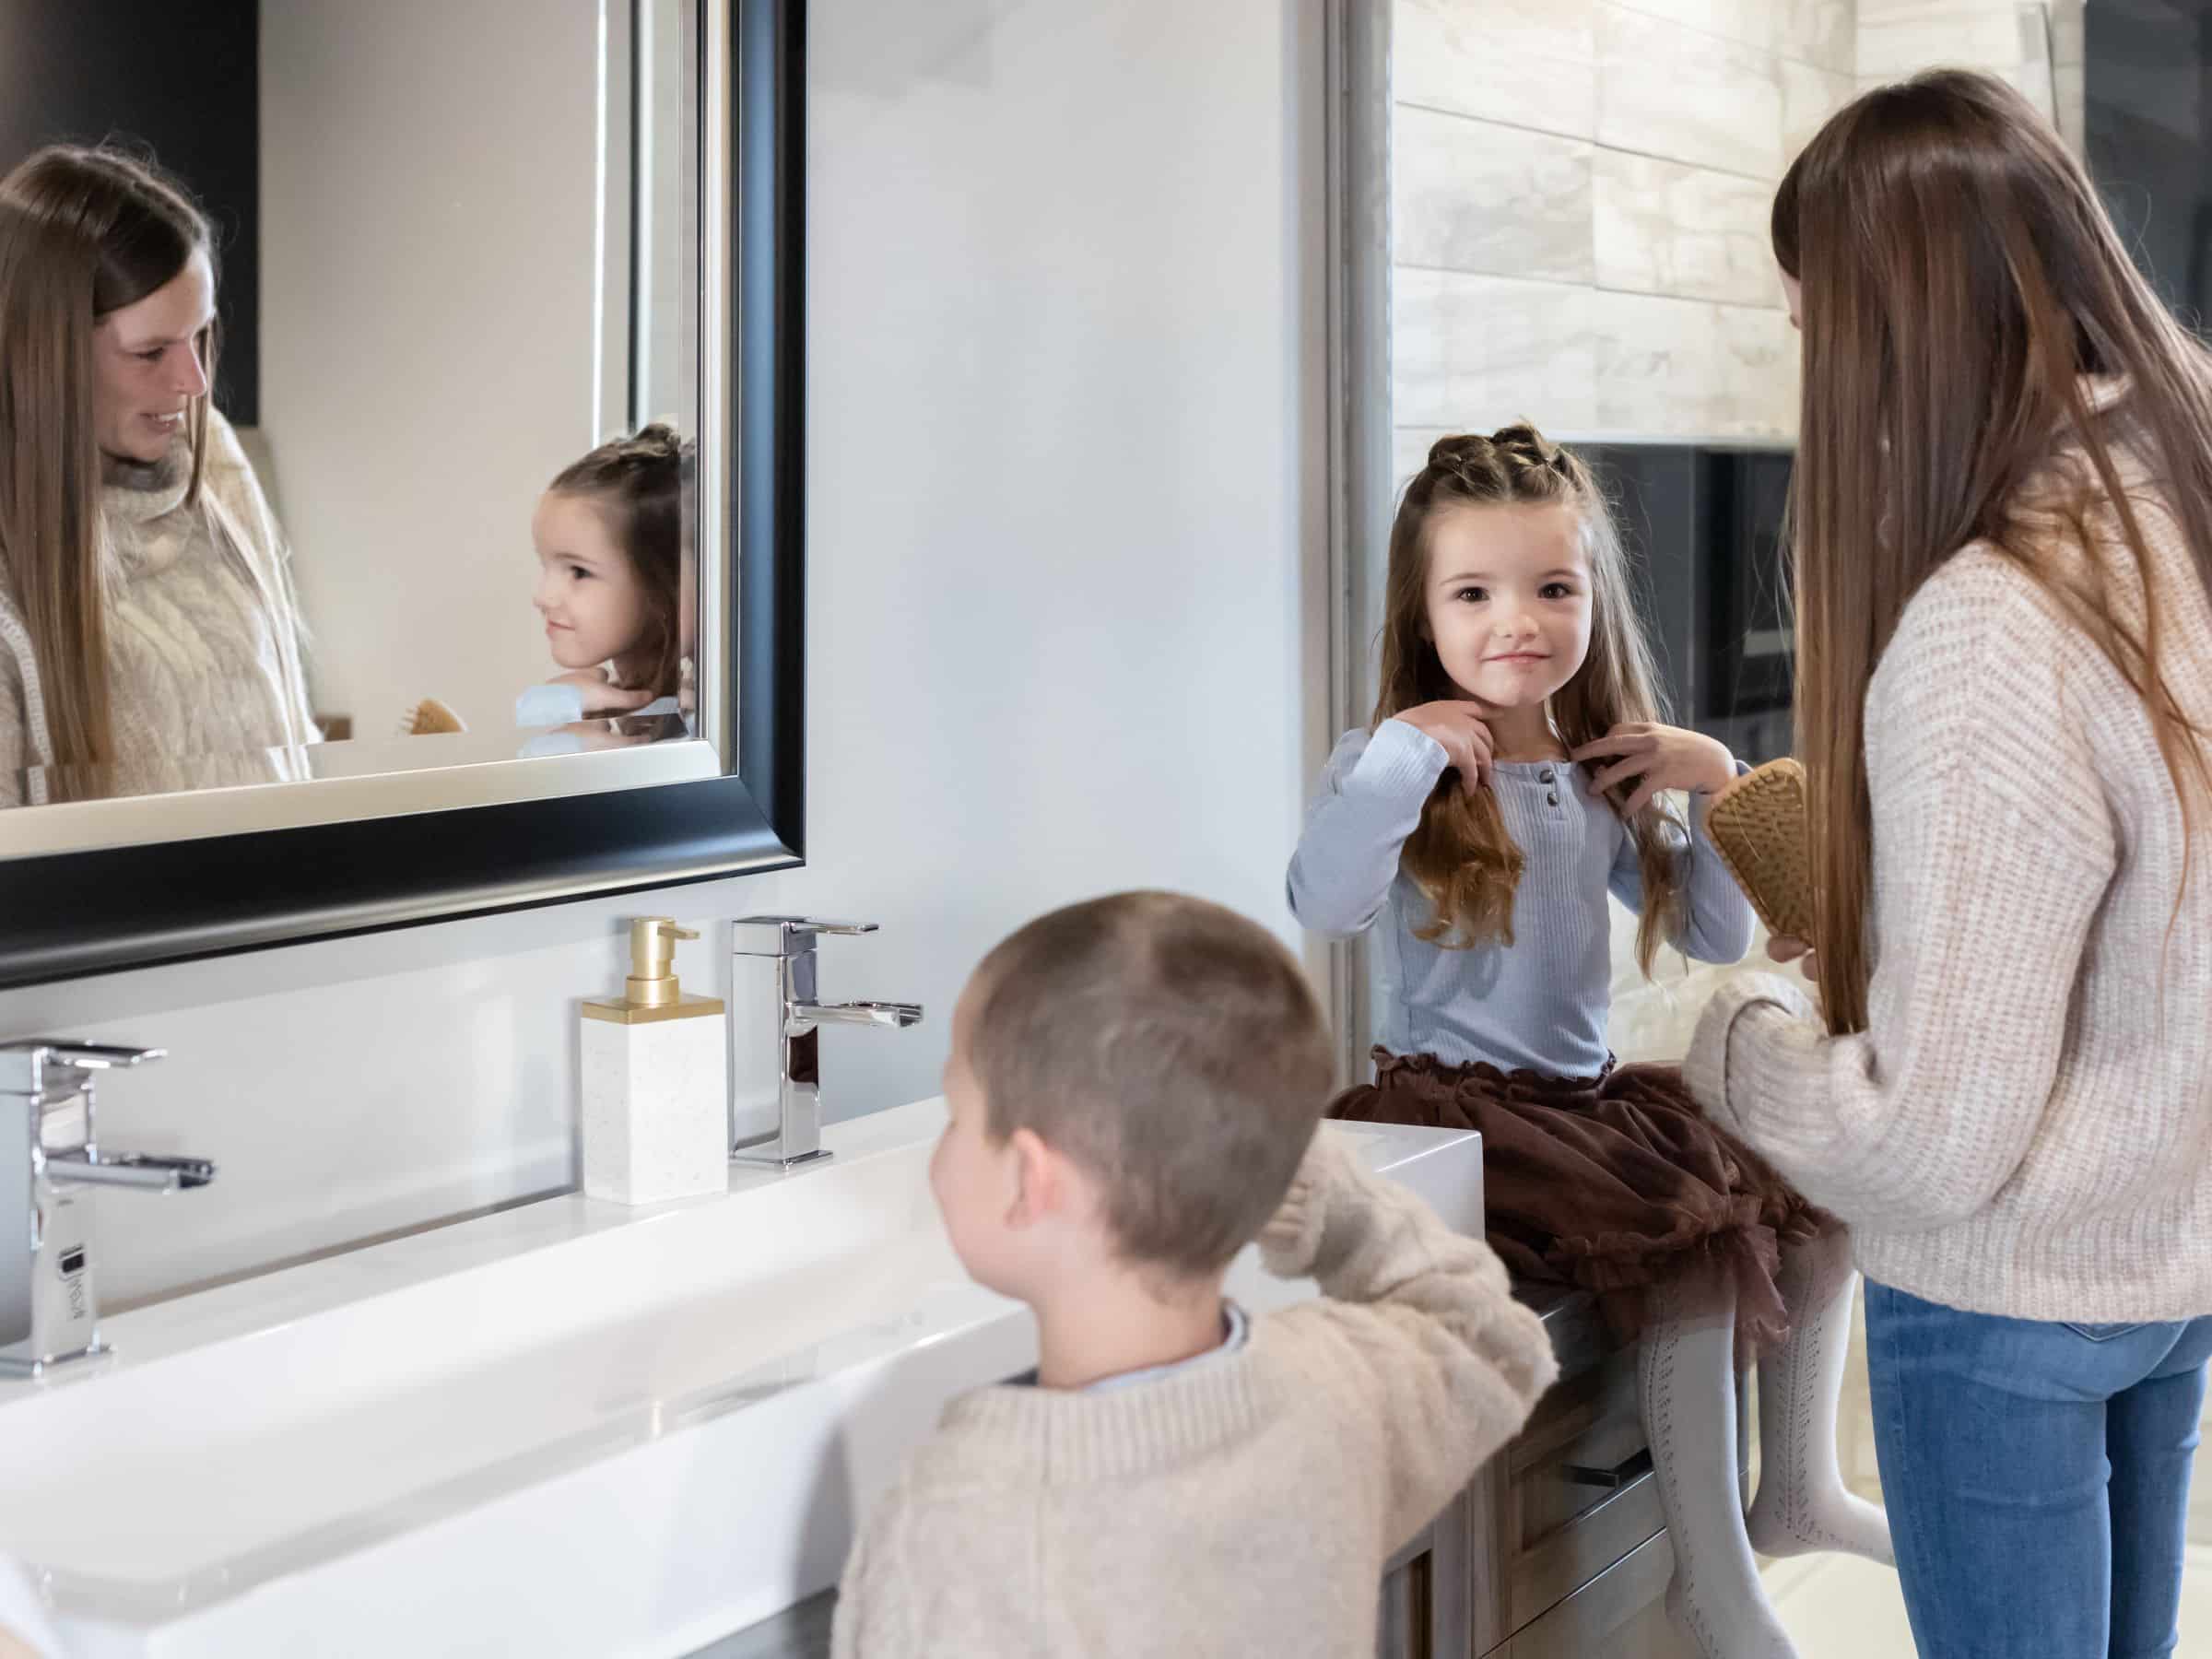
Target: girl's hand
(1659, 757)
(1783, 948)
(602, 697)
(1458, 726)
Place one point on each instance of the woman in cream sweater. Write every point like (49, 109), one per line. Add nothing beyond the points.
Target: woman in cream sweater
(150, 638)
(2004, 540)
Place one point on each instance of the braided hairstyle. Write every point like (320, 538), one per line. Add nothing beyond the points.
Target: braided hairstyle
(638, 483)
(1461, 856)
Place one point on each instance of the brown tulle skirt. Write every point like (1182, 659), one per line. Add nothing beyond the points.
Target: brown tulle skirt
(1614, 1184)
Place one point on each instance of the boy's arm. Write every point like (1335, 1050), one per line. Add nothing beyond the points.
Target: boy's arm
(1420, 1336)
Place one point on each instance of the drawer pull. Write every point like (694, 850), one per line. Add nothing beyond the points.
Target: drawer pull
(1619, 1474)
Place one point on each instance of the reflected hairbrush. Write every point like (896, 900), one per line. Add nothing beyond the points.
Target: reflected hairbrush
(430, 716)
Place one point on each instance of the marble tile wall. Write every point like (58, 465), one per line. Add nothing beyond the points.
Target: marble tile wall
(1579, 210)
(2035, 45)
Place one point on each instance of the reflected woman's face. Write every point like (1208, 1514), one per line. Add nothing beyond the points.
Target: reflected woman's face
(587, 589)
(150, 362)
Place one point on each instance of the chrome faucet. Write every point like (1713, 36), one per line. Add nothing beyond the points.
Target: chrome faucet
(773, 1008)
(50, 1151)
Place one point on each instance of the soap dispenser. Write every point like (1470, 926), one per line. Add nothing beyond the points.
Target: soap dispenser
(655, 1106)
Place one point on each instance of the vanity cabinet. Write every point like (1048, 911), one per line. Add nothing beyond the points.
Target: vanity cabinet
(1428, 1607)
(1558, 1549)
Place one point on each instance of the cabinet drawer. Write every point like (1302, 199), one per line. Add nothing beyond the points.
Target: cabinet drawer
(1579, 1491)
(1620, 1613)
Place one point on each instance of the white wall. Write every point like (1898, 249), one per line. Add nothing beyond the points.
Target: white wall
(429, 202)
(2039, 49)
(1064, 473)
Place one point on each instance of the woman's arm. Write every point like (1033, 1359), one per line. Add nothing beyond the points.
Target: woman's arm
(15, 749)
(1369, 801)
(1994, 847)
(237, 491)
(18, 748)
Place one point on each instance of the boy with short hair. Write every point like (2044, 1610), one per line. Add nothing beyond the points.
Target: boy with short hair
(1135, 1086)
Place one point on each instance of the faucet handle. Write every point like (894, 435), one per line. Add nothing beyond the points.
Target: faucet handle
(25, 1063)
(787, 935)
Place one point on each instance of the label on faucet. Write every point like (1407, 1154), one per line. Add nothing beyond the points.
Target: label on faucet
(61, 1320)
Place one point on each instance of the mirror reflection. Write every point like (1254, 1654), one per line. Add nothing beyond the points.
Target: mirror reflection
(346, 398)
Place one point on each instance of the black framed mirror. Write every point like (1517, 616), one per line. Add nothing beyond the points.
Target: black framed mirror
(366, 853)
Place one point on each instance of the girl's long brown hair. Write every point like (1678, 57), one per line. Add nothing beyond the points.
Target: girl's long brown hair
(83, 233)
(638, 483)
(1462, 856)
(1960, 278)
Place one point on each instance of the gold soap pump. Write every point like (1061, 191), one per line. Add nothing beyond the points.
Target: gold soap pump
(652, 1093)
(651, 993)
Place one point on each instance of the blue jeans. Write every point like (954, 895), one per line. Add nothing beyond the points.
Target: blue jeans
(2037, 1477)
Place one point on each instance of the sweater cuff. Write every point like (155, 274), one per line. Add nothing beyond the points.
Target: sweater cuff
(1746, 1013)
(1701, 804)
(1399, 761)
(1290, 1242)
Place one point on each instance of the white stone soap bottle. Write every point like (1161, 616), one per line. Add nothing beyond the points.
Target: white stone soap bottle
(656, 1105)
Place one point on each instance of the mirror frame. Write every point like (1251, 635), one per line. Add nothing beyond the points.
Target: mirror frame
(70, 914)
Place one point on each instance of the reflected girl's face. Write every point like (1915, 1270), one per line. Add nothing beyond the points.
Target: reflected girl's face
(587, 589)
(149, 361)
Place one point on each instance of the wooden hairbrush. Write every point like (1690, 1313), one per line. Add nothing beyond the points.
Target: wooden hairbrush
(1759, 827)
(427, 717)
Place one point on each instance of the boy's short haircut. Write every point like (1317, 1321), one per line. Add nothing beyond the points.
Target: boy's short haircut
(1172, 1049)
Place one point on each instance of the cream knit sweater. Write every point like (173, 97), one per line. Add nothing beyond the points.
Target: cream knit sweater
(204, 643)
(2025, 1128)
(1245, 1504)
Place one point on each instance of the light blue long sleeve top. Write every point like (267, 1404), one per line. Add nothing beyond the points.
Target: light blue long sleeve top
(1540, 1004)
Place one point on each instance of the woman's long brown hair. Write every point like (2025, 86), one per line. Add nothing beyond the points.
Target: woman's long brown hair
(1959, 278)
(83, 233)
(1462, 856)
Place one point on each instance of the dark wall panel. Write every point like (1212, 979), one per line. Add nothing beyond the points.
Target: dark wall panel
(179, 79)
(2149, 119)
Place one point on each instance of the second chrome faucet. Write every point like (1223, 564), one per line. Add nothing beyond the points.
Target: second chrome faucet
(775, 1009)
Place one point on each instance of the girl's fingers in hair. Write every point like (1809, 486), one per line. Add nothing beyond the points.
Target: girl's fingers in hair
(1620, 740)
(1618, 773)
(1479, 746)
(1643, 796)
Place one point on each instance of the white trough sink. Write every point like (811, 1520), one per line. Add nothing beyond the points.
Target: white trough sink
(572, 1428)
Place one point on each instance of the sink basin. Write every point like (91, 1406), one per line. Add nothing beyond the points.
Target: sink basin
(572, 1428)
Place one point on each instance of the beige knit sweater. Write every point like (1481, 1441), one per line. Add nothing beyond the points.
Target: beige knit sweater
(2025, 1128)
(204, 639)
(1242, 1505)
